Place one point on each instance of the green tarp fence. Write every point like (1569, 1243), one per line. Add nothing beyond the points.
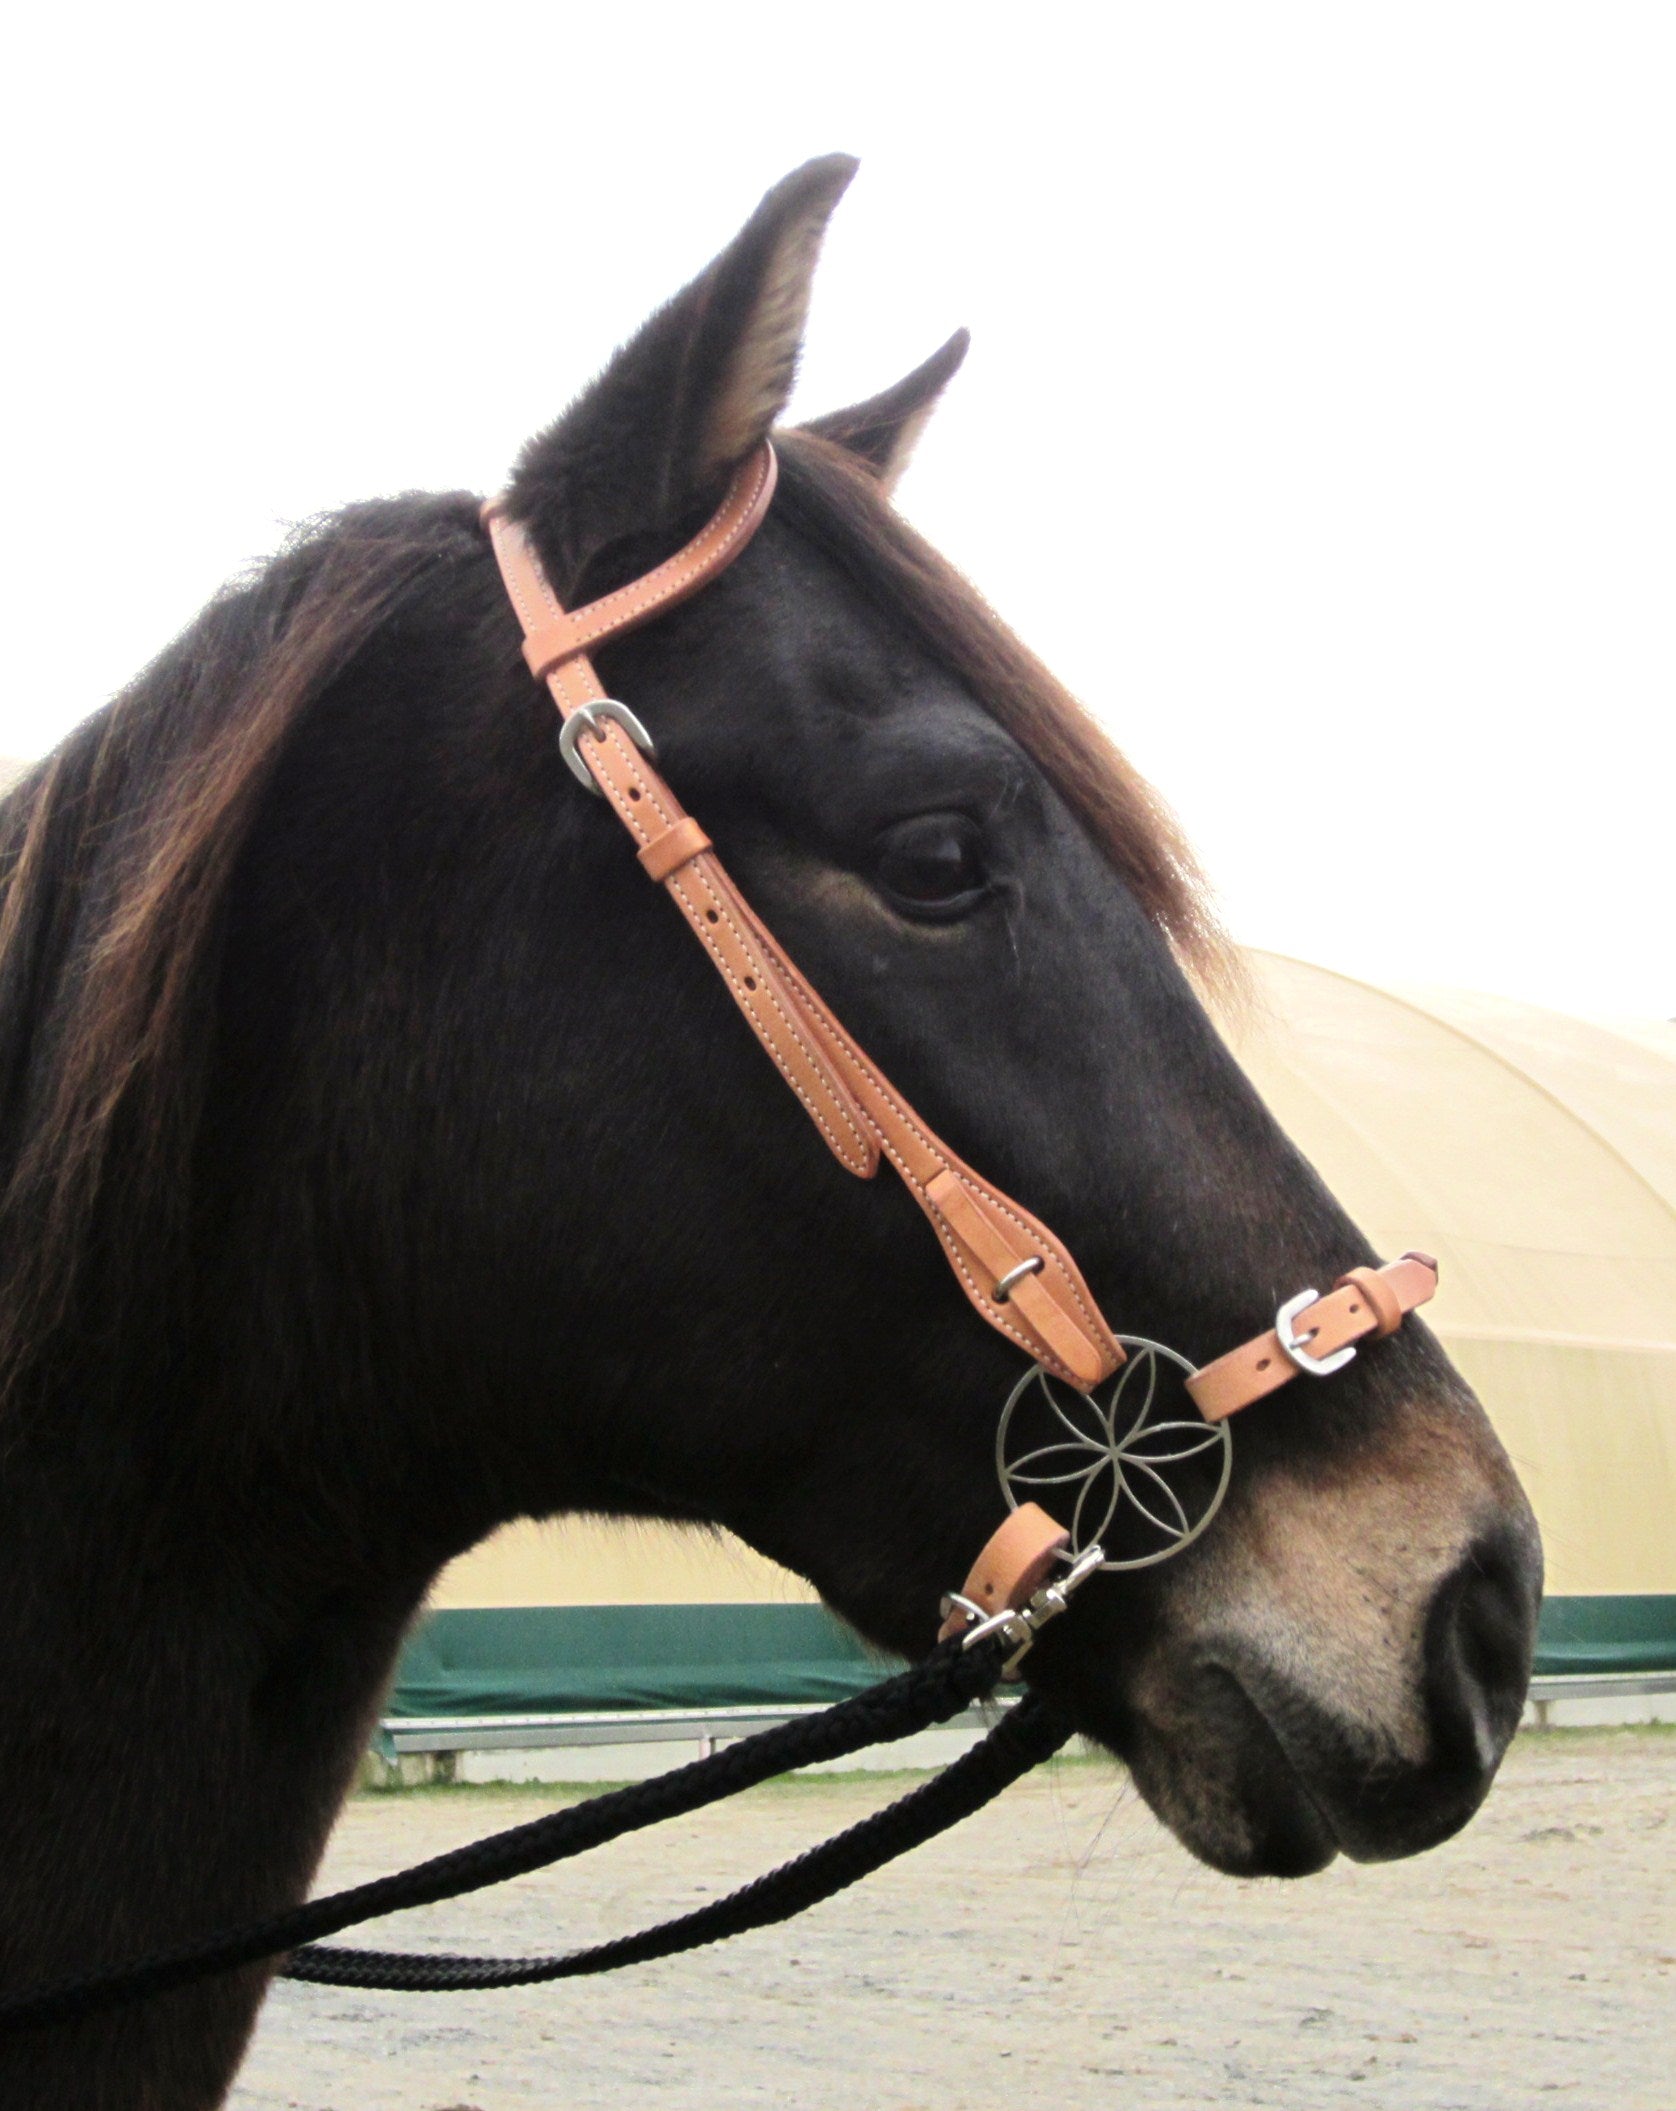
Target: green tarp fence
(557, 1659)
(1623, 1634)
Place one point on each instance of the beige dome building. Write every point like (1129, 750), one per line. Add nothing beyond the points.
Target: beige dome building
(1534, 1154)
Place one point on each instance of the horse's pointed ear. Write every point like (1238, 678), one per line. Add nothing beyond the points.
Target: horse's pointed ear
(885, 430)
(687, 399)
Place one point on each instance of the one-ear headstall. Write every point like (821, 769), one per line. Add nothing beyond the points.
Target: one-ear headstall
(1099, 1416)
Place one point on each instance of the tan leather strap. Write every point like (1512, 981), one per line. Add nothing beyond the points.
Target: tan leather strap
(1048, 1309)
(1366, 1301)
(676, 847)
(712, 550)
(1016, 1560)
(1045, 1307)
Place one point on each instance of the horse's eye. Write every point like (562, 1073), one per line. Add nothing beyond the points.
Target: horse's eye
(932, 865)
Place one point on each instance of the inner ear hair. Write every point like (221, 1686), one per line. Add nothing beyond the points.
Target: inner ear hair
(691, 395)
(884, 431)
(766, 276)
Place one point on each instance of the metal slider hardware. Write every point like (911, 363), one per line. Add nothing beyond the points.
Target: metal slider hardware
(1021, 1626)
(588, 718)
(1296, 1346)
(1004, 1288)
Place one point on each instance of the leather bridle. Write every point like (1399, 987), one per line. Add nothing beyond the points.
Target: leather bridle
(1015, 1272)
(1018, 1275)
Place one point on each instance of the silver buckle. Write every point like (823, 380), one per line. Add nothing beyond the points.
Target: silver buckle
(1297, 1348)
(1020, 1628)
(588, 718)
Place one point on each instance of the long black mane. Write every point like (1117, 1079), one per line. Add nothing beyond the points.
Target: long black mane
(115, 859)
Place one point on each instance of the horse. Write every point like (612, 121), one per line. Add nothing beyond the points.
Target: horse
(380, 1162)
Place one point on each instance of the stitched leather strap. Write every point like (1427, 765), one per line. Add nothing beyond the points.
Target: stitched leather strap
(1013, 1564)
(567, 632)
(987, 1236)
(676, 847)
(1048, 1309)
(1366, 1301)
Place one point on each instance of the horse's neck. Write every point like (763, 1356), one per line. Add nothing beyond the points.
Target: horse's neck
(177, 1734)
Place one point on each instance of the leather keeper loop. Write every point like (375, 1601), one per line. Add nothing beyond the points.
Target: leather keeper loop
(677, 846)
(1383, 1301)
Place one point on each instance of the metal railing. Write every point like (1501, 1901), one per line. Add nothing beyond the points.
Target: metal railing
(703, 1726)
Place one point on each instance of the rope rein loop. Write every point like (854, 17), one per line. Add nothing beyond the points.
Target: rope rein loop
(945, 1685)
(1025, 1736)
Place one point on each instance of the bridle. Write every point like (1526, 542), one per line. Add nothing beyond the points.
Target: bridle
(1016, 1273)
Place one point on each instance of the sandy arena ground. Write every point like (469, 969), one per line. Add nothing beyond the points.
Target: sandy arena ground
(1058, 1950)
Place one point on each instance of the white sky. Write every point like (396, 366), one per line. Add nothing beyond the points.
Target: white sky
(1320, 426)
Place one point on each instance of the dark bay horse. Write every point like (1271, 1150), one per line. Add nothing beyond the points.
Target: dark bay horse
(380, 1161)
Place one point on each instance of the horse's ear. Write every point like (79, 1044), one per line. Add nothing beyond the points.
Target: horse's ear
(687, 399)
(885, 430)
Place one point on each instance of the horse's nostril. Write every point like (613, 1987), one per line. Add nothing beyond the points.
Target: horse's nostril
(1479, 1638)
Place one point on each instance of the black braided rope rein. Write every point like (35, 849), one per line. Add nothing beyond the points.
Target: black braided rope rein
(931, 1693)
(1024, 1737)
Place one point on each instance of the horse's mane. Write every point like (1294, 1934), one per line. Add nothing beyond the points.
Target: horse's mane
(115, 859)
(836, 500)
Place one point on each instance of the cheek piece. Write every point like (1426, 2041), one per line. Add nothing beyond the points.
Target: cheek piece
(1109, 1452)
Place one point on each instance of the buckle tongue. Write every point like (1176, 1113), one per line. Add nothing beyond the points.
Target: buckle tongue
(1297, 1346)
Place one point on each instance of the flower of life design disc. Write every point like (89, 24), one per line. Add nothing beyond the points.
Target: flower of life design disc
(1111, 1454)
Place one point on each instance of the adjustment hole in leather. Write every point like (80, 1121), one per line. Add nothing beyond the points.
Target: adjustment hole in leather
(1264, 1362)
(750, 982)
(712, 916)
(634, 791)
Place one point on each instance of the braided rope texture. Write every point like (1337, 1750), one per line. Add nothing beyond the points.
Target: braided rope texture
(1023, 1738)
(931, 1693)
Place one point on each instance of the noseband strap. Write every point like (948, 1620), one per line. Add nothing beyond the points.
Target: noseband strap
(1045, 1306)
(1317, 1335)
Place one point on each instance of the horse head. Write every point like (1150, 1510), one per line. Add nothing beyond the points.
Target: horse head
(383, 1161)
(718, 1325)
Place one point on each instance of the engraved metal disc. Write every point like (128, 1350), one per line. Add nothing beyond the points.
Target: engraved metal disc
(1107, 1448)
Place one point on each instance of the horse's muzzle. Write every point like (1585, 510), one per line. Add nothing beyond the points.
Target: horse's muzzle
(1295, 1702)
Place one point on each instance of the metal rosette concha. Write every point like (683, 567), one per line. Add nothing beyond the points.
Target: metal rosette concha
(1108, 1463)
